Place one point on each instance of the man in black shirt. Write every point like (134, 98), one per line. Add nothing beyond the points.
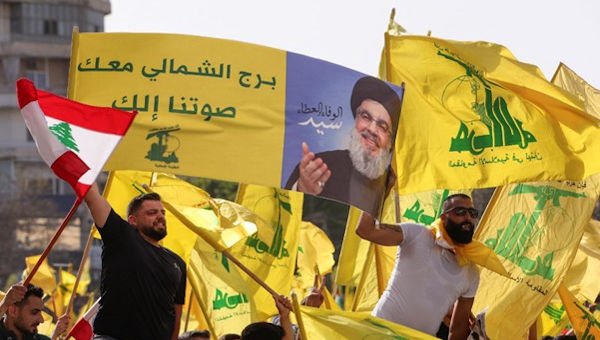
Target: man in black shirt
(143, 284)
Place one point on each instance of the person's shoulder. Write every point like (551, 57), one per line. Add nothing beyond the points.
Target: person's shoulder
(174, 255)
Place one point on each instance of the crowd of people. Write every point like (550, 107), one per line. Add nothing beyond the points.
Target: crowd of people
(143, 283)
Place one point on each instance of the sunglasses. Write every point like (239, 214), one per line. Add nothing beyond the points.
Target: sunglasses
(462, 211)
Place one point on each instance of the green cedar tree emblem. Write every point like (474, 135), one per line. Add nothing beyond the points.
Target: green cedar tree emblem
(62, 131)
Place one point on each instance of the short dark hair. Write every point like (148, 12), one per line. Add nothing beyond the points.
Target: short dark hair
(135, 204)
(262, 331)
(190, 334)
(451, 197)
(31, 290)
(230, 336)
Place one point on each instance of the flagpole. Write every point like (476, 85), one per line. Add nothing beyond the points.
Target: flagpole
(249, 273)
(53, 240)
(298, 313)
(378, 270)
(363, 276)
(211, 328)
(86, 252)
(187, 317)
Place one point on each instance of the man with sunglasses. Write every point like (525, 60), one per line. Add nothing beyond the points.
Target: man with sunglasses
(427, 278)
(356, 175)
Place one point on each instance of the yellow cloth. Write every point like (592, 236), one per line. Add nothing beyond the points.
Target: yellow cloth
(475, 251)
(584, 323)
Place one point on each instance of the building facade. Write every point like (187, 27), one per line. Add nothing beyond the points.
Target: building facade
(35, 42)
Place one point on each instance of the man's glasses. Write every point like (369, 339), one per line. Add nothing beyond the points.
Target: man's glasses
(462, 211)
(367, 119)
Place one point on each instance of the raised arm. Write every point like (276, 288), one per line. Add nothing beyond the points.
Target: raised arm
(459, 324)
(98, 206)
(386, 234)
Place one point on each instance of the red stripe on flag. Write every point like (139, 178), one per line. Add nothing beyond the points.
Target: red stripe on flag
(26, 92)
(70, 168)
(101, 119)
(82, 330)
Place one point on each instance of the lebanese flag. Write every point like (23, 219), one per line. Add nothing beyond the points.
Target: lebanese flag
(82, 330)
(74, 139)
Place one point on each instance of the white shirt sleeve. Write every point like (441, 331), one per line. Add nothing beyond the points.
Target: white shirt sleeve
(412, 231)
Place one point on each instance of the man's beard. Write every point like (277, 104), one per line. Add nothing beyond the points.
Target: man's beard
(155, 234)
(457, 233)
(370, 166)
(26, 332)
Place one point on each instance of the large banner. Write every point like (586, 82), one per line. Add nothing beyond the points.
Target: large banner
(242, 112)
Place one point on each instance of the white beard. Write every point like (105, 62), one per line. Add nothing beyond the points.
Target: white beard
(370, 166)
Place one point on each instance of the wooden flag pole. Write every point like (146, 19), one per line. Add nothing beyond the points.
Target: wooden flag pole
(363, 276)
(249, 273)
(53, 241)
(189, 309)
(209, 323)
(84, 257)
(297, 312)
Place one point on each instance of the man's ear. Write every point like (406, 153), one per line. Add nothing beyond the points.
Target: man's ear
(443, 218)
(12, 310)
(131, 219)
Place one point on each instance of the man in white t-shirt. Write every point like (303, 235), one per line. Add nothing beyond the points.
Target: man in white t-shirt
(427, 279)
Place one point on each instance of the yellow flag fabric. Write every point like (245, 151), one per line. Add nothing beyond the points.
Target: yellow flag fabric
(552, 320)
(567, 79)
(535, 229)
(67, 282)
(342, 325)
(232, 299)
(314, 249)
(190, 210)
(582, 277)
(45, 277)
(425, 207)
(212, 94)
(491, 120)
(585, 325)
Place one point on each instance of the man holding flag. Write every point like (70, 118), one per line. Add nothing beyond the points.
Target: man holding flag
(143, 284)
(432, 271)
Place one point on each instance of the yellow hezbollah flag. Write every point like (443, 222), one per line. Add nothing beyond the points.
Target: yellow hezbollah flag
(315, 250)
(272, 259)
(582, 277)
(535, 229)
(342, 325)
(425, 207)
(491, 120)
(232, 299)
(584, 323)
(567, 79)
(552, 320)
